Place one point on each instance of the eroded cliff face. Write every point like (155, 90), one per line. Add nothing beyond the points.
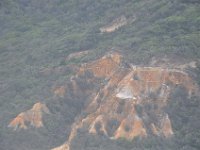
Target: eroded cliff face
(31, 117)
(130, 101)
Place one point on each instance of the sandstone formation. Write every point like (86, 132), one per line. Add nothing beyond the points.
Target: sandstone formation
(130, 101)
(31, 117)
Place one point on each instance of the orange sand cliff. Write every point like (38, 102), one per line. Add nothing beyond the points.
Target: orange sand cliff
(112, 110)
(30, 117)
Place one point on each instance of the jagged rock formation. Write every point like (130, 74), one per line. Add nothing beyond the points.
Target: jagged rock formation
(30, 117)
(130, 101)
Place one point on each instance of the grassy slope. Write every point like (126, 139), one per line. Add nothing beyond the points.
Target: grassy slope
(38, 34)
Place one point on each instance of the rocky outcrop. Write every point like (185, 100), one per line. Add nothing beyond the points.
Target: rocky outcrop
(164, 127)
(31, 117)
(114, 25)
(110, 62)
(77, 55)
(116, 99)
(59, 91)
(130, 101)
(117, 23)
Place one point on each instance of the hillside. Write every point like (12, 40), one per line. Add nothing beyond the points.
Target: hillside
(130, 104)
(56, 70)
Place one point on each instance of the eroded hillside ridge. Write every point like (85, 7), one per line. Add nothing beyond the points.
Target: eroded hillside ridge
(131, 100)
(31, 117)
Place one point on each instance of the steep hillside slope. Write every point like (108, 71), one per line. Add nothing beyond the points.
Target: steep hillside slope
(131, 102)
(114, 99)
(52, 66)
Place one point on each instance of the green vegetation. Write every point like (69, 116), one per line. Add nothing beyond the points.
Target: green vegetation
(39, 34)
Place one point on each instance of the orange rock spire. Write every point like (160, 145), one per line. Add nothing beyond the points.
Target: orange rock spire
(32, 117)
